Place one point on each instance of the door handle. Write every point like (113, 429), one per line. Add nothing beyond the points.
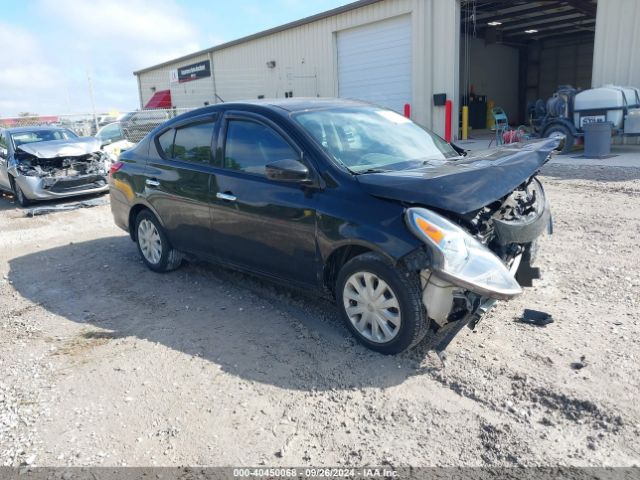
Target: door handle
(227, 197)
(150, 182)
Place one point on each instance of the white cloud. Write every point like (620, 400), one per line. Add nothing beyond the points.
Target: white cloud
(109, 39)
(142, 31)
(28, 75)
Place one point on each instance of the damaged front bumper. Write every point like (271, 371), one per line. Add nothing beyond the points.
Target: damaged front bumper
(59, 176)
(440, 297)
(44, 188)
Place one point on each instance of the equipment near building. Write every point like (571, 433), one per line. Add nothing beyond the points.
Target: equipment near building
(567, 112)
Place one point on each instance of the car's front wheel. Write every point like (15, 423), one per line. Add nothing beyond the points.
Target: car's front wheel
(22, 200)
(381, 304)
(153, 244)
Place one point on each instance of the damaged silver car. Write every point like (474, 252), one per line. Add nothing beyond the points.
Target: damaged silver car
(43, 163)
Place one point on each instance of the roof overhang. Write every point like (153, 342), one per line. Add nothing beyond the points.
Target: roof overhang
(160, 99)
(522, 21)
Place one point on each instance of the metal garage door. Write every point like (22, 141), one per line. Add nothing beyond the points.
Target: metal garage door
(374, 62)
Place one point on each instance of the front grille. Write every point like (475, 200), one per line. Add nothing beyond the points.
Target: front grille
(76, 184)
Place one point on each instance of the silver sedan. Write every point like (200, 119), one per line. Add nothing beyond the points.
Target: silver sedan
(42, 163)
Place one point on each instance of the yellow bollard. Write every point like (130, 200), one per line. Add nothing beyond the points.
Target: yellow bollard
(490, 120)
(465, 122)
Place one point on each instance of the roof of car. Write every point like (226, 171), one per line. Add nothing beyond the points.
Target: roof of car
(301, 103)
(288, 105)
(35, 128)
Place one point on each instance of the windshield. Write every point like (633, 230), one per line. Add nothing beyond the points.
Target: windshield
(367, 139)
(34, 136)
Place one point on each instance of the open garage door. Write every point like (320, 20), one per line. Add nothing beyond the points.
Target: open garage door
(519, 51)
(374, 63)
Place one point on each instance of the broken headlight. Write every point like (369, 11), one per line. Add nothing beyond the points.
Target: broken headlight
(460, 258)
(25, 168)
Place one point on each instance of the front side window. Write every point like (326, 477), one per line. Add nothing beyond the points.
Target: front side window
(165, 143)
(370, 138)
(193, 142)
(111, 132)
(251, 146)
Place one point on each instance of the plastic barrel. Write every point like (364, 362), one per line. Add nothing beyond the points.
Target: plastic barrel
(597, 139)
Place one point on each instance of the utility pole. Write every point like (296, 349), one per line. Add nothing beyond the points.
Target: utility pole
(93, 101)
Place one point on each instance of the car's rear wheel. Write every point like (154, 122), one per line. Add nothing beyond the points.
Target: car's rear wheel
(381, 304)
(22, 200)
(153, 244)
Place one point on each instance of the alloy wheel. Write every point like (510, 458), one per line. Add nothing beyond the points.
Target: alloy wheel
(372, 307)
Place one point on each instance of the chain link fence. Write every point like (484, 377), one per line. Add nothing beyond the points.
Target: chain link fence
(109, 127)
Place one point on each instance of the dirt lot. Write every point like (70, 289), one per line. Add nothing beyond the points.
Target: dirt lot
(105, 363)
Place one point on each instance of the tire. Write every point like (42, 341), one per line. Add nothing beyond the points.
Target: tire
(559, 129)
(398, 306)
(22, 200)
(153, 245)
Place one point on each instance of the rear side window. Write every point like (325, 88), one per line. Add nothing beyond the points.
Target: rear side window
(189, 143)
(193, 142)
(165, 141)
(251, 146)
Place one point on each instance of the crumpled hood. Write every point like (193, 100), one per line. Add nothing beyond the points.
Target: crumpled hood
(62, 148)
(462, 186)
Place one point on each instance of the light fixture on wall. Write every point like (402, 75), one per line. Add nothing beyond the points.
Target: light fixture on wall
(531, 30)
(494, 24)
(271, 64)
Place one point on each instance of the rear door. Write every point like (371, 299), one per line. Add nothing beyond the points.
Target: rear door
(177, 182)
(260, 224)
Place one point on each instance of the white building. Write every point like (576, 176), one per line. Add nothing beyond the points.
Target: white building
(397, 52)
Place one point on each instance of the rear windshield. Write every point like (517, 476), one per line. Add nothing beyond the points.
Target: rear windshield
(20, 138)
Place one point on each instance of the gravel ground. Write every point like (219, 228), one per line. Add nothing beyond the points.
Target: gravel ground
(106, 363)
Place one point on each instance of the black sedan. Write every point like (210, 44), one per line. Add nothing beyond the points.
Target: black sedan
(352, 200)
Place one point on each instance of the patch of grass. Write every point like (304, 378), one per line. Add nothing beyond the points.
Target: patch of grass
(85, 340)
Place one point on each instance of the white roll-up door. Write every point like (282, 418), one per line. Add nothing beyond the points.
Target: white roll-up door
(374, 62)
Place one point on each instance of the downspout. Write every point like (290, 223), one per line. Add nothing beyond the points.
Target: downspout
(139, 90)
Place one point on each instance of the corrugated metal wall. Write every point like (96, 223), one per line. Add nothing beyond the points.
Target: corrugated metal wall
(561, 62)
(616, 57)
(306, 61)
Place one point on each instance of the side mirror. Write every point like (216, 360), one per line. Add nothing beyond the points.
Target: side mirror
(105, 141)
(288, 170)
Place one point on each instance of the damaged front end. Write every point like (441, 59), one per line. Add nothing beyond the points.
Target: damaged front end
(480, 257)
(45, 172)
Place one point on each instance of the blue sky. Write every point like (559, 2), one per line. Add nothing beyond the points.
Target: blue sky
(51, 46)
